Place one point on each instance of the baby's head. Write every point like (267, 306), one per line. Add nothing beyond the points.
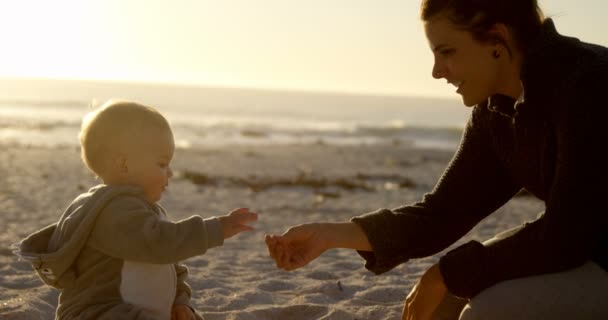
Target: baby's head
(126, 143)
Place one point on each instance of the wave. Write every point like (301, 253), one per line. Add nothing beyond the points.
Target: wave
(58, 124)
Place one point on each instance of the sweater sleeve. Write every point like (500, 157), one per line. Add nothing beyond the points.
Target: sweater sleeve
(474, 185)
(571, 230)
(129, 229)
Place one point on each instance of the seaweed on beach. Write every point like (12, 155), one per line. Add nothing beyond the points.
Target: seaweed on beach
(359, 182)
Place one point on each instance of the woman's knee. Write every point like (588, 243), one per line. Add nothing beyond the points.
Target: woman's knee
(502, 301)
(572, 294)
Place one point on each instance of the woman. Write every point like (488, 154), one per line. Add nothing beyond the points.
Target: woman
(537, 123)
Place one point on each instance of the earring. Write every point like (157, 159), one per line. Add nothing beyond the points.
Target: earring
(496, 54)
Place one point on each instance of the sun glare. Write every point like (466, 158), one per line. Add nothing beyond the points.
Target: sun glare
(340, 45)
(45, 39)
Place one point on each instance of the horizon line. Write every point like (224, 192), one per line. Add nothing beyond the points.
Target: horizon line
(233, 87)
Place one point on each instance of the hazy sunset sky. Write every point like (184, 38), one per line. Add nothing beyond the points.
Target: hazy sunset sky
(365, 46)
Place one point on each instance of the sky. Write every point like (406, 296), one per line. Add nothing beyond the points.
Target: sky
(354, 46)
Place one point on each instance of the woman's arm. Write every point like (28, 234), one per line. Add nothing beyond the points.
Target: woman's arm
(474, 185)
(301, 244)
(570, 231)
(347, 235)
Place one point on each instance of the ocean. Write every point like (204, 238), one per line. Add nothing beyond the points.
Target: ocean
(221, 117)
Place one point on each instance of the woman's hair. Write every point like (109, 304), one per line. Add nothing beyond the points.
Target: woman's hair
(523, 17)
(114, 128)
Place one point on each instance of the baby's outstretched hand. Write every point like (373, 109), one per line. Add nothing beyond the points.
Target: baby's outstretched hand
(237, 221)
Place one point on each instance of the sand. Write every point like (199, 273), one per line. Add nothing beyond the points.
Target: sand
(287, 185)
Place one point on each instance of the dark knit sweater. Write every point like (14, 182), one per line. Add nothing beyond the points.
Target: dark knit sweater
(549, 144)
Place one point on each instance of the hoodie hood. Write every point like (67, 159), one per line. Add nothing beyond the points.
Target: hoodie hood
(53, 249)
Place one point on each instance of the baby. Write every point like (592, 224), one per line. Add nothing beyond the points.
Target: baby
(113, 253)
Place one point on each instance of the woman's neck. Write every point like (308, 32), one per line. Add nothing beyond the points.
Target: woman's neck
(511, 75)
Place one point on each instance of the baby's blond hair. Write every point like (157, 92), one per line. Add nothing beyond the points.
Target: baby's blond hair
(113, 129)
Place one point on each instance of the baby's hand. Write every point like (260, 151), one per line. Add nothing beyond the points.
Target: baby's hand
(236, 221)
(182, 312)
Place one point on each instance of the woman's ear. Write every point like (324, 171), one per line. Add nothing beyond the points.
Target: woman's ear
(500, 33)
(501, 37)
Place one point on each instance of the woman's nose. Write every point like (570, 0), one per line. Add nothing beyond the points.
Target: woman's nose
(438, 71)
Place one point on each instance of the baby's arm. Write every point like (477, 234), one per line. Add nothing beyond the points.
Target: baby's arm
(128, 229)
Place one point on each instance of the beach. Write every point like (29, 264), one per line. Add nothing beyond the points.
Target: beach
(286, 185)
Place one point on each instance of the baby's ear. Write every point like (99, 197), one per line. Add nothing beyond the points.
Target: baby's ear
(119, 164)
(122, 163)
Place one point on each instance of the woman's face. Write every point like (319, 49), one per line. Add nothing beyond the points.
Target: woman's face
(464, 62)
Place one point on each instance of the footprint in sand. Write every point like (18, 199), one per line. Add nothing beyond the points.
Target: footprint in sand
(382, 295)
(294, 312)
(275, 285)
(322, 275)
(297, 312)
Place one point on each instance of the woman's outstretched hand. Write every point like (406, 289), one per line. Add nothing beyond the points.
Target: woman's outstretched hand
(426, 296)
(297, 246)
(304, 243)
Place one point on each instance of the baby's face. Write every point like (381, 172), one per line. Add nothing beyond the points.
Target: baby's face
(149, 164)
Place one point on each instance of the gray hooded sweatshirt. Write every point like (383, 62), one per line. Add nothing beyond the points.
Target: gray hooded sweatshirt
(115, 256)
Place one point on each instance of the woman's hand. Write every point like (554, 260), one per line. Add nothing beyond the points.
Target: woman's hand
(426, 296)
(298, 246)
(304, 243)
(237, 221)
(182, 312)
